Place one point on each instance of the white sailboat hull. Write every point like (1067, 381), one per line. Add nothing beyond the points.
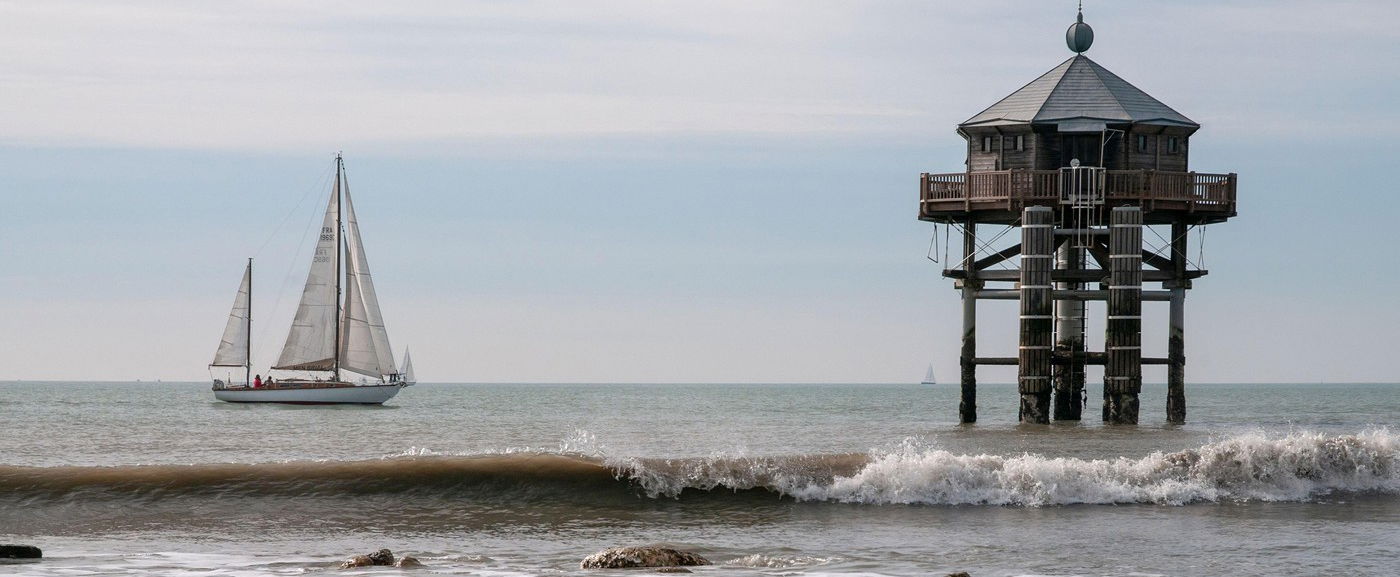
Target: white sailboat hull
(311, 393)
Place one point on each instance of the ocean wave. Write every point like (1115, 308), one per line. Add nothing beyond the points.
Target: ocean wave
(762, 561)
(1253, 467)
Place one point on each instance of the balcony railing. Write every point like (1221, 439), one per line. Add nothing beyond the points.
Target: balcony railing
(1013, 189)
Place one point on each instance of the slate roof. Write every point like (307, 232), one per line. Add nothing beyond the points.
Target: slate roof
(1076, 91)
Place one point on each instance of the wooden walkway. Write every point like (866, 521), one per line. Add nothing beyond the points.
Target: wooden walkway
(1000, 195)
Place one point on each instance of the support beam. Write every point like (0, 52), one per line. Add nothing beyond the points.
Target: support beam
(1157, 261)
(1071, 295)
(1082, 276)
(1037, 320)
(1089, 359)
(1099, 251)
(967, 408)
(1069, 338)
(1123, 374)
(1001, 256)
(1176, 330)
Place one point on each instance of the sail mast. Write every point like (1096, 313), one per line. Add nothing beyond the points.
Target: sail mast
(248, 340)
(339, 248)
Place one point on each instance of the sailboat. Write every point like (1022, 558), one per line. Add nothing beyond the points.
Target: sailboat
(928, 377)
(406, 369)
(337, 329)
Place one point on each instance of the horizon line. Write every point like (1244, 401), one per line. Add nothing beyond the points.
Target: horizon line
(767, 383)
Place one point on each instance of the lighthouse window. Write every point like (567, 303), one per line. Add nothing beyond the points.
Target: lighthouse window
(1142, 142)
(1171, 144)
(986, 144)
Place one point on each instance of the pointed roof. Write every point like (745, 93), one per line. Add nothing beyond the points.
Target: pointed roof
(1079, 93)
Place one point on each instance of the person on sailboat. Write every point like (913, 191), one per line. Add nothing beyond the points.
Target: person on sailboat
(257, 381)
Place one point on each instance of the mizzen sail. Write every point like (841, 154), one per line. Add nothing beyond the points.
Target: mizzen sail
(311, 342)
(233, 347)
(364, 343)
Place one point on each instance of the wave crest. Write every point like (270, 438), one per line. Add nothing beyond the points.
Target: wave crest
(1293, 467)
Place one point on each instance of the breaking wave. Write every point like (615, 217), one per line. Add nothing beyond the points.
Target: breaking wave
(1253, 467)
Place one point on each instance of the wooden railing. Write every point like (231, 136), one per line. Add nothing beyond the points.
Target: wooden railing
(1011, 189)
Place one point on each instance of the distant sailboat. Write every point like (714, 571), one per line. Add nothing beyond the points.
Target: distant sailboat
(338, 327)
(928, 377)
(406, 370)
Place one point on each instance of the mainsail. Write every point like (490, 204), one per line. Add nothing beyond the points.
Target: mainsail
(364, 344)
(928, 377)
(233, 347)
(311, 342)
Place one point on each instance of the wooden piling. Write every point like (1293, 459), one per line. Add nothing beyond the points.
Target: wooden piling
(1069, 338)
(967, 408)
(1176, 331)
(1123, 373)
(1037, 318)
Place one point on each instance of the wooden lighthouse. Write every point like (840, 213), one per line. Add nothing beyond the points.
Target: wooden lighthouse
(1082, 163)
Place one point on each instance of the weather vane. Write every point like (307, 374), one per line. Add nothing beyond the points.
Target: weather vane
(1079, 36)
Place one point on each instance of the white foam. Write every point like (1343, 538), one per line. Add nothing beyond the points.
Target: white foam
(761, 561)
(1293, 467)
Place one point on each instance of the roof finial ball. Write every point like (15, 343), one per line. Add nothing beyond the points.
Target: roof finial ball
(1079, 36)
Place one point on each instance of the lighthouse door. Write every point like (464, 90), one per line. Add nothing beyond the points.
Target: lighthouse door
(1085, 147)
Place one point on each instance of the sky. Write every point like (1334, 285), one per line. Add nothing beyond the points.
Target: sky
(654, 191)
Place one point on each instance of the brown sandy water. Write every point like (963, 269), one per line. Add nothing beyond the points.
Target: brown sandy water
(763, 479)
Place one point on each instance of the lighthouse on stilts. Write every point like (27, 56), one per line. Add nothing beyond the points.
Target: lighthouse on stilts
(1081, 163)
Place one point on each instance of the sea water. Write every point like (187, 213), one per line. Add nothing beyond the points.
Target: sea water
(527, 479)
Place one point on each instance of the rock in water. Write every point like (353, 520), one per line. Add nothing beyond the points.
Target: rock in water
(625, 557)
(407, 562)
(382, 557)
(20, 552)
(357, 561)
(959, 574)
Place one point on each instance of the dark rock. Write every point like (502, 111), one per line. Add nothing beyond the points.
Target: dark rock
(357, 561)
(382, 557)
(407, 562)
(624, 557)
(20, 552)
(673, 570)
(959, 574)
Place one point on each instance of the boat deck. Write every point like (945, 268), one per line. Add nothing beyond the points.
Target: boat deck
(300, 385)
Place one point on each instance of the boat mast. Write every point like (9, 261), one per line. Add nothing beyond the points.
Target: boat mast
(248, 341)
(339, 249)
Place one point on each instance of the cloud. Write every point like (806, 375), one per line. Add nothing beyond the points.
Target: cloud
(291, 76)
